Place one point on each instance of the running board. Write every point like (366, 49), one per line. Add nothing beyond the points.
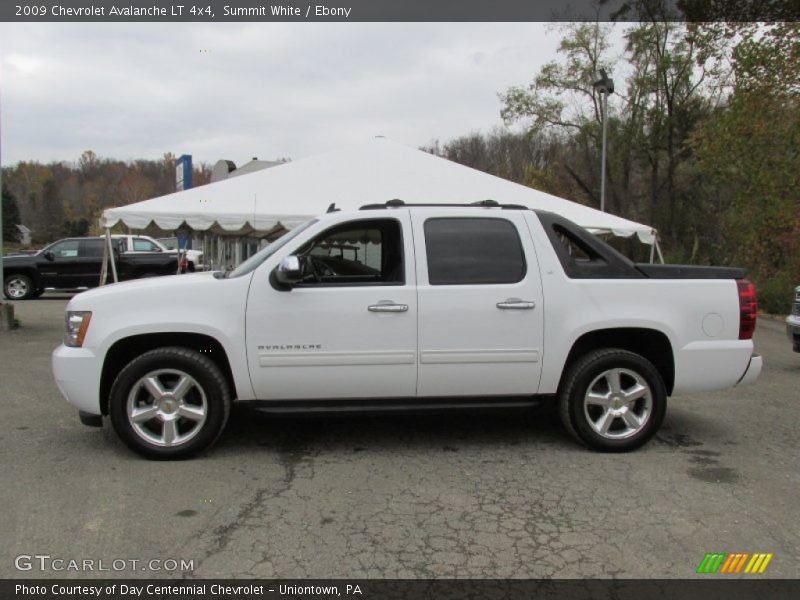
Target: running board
(393, 405)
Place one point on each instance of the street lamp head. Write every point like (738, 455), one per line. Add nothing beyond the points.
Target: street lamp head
(600, 76)
(603, 83)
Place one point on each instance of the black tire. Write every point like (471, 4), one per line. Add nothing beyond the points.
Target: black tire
(208, 390)
(594, 372)
(18, 287)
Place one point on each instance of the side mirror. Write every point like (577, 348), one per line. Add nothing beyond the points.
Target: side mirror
(49, 255)
(289, 272)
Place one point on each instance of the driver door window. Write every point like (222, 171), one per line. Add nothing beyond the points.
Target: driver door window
(66, 249)
(361, 253)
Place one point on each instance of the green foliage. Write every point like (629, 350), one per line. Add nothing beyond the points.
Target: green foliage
(10, 217)
(775, 294)
(61, 199)
(751, 149)
(76, 228)
(704, 135)
(561, 95)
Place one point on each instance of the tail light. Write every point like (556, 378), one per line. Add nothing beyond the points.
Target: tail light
(747, 309)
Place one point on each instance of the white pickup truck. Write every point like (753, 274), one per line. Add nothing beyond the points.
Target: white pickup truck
(397, 307)
(142, 244)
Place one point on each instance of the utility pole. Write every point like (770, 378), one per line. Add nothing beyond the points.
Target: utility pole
(2, 277)
(604, 85)
(6, 308)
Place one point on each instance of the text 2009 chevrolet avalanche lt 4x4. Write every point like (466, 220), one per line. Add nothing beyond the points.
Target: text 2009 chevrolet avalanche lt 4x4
(410, 306)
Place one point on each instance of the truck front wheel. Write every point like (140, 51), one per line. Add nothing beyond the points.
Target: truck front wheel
(612, 400)
(18, 287)
(169, 403)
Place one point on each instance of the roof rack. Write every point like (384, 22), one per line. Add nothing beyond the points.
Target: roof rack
(397, 203)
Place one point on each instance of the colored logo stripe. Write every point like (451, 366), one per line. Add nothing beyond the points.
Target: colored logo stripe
(711, 563)
(734, 563)
(758, 563)
(721, 562)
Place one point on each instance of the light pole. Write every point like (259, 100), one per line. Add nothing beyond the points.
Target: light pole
(604, 86)
(2, 275)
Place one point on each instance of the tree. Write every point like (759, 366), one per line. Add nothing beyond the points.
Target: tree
(561, 100)
(55, 199)
(651, 175)
(10, 217)
(665, 102)
(750, 150)
(52, 227)
(516, 157)
(76, 228)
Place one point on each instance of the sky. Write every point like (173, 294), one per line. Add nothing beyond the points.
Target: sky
(266, 90)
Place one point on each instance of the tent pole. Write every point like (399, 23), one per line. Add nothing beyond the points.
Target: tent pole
(111, 254)
(178, 251)
(104, 266)
(652, 251)
(658, 249)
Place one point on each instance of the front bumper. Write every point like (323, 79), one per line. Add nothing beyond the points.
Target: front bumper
(793, 331)
(77, 375)
(752, 372)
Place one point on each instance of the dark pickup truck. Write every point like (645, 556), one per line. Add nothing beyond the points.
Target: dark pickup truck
(76, 263)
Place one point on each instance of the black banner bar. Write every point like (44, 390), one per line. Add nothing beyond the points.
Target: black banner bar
(396, 10)
(711, 588)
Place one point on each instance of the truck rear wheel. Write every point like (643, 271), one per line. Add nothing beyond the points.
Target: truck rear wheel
(169, 403)
(612, 400)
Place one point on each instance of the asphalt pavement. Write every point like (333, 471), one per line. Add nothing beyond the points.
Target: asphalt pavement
(446, 496)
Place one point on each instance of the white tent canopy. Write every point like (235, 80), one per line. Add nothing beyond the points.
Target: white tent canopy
(371, 172)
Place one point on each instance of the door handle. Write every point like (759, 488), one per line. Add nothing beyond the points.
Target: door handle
(516, 303)
(387, 306)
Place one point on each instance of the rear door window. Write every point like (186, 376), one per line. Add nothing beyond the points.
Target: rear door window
(92, 248)
(469, 251)
(140, 245)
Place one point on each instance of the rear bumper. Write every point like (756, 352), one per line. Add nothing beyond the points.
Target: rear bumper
(793, 331)
(753, 370)
(705, 366)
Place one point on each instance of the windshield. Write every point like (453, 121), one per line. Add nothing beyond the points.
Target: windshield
(263, 254)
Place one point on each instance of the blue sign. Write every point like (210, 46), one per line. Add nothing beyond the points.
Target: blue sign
(183, 172)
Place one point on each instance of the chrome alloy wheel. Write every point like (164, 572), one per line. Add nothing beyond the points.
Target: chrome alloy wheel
(167, 407)
(618, 403)
(16, 287)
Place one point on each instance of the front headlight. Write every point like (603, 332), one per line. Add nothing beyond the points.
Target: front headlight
(76, 326)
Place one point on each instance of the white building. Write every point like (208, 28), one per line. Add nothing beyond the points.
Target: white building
(24, 235)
